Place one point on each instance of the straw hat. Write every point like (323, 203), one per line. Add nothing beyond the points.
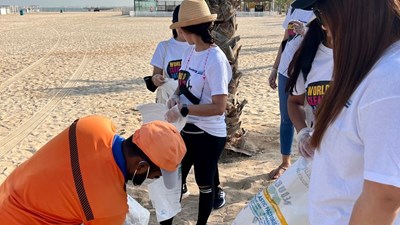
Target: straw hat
(193, 12)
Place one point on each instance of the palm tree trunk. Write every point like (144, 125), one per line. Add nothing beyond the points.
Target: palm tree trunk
(224, 36)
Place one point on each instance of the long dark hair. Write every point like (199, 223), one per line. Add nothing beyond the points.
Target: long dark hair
(203, 30)
(175, 18)
(362, 30)
(305, 54)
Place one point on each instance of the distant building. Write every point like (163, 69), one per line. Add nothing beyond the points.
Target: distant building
(32, 9)
(3, 11)
(151, 8)
(155, 5)
(256, 5)
(167, 5)
(8, 9)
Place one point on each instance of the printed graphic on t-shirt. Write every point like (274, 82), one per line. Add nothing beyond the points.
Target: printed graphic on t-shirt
(200, 72)
(173, 68)
(315, 93)
(183, 79)
(291, 32)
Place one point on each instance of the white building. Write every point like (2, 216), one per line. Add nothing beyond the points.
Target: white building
(3, 10)
(8, 9)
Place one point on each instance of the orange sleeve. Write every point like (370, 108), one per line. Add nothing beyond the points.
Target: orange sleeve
(114, 220)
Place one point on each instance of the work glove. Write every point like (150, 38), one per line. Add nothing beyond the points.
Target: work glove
(173, 114)
(174, 100)
(303, 143)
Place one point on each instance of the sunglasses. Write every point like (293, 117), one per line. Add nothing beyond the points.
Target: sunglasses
(318, 14)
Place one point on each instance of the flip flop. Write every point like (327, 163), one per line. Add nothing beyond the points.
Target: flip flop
(277, 172)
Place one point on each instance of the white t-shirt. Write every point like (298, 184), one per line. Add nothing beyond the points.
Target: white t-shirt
(361, 144)
(168, 56)
(212, 65)
(318, 80)
(292, 44)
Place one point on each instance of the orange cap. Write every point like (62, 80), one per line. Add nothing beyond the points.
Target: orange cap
(162, 143)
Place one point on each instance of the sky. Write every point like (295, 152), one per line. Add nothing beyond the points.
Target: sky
(65, 3)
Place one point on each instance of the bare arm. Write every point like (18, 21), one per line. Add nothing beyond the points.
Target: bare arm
(157, 77)
(296, 111)
(157, 70)
(377, 204)
(278, 56)
(274, 72)
(217, 107)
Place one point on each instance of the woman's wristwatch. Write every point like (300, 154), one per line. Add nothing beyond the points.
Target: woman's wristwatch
(184, 110)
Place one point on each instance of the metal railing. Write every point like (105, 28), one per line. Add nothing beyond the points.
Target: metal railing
(169, 14)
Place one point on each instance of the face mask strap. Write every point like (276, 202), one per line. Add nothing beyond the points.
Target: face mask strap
(148, 171)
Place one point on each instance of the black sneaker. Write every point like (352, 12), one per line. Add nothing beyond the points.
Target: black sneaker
(219, 200)
(185, 192)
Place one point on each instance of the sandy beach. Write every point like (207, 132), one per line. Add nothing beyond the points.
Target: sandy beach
(56, 68)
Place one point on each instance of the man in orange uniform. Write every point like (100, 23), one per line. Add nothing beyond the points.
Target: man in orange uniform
(79, 176)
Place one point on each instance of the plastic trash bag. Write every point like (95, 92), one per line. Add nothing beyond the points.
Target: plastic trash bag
(137, 215)
(165, 201)
(165, 91)
(156, 111)
(284, 202)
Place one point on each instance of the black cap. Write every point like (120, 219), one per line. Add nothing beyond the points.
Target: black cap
(304, 4)
(175, 14)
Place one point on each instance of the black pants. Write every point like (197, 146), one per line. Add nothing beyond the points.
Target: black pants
(203, 152)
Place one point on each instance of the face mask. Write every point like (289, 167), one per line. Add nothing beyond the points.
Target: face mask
(138, 179)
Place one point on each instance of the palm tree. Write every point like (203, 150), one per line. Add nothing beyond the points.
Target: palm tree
(224, 35)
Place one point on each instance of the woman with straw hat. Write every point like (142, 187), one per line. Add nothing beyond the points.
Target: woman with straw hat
(201, 96)
(166, 62)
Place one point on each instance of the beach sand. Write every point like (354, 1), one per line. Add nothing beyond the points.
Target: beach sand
(56, 68)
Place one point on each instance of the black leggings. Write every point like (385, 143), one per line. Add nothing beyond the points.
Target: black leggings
(203, 152)
(216, 178)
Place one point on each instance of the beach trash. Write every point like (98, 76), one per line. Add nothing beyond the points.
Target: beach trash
(21, 12)
(165, 201)
(137, 215)
(156, 111)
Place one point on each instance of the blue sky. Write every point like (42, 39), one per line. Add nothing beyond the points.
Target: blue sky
(58, 3)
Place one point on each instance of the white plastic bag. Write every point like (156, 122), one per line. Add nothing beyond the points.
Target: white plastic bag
(165, 91)
(137, 215)
(284, 202)
(156, 111)
(165, 201)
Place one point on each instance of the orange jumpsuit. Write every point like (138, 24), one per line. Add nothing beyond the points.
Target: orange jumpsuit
(42, 189)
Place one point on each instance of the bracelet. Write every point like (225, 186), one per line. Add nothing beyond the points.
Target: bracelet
(274, 69)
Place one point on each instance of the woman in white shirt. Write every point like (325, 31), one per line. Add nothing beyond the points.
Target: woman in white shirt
(167, 60)
(356, 169)
(166, 63)
(294, 31)
(310, 74)
(201, 96)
